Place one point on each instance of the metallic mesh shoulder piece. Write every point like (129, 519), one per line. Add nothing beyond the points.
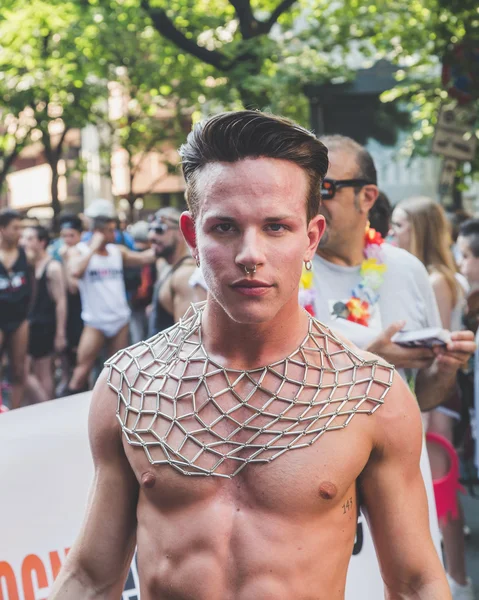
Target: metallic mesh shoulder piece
(187, 411)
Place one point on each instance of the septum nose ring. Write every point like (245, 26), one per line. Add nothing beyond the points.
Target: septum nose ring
(249, 271)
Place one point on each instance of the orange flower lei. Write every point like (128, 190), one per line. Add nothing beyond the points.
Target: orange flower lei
(365, 295)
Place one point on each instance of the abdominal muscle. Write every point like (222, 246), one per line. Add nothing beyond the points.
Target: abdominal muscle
(223, 548)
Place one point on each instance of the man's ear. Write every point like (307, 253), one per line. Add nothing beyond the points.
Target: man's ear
(369, 196)
(316, 229)
(187, 226)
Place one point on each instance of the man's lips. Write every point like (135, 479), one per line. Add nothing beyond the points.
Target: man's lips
(251, 283)
(251, 287)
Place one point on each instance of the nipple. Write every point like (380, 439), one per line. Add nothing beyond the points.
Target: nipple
(327, 490)
(148, 480)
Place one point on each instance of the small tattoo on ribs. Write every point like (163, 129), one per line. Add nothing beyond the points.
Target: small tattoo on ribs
(347, 506)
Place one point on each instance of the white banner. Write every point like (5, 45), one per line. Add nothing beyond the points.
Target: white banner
(45, 473)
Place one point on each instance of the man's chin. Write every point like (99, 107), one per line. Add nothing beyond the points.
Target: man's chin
(251, 313)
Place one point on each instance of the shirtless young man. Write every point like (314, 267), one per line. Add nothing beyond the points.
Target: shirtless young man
(172, 294)
(98, 267)
(239, 481)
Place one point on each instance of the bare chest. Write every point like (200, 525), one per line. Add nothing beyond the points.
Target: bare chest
(303, 481)
(165, 295)
(8, 259)
(297, 427)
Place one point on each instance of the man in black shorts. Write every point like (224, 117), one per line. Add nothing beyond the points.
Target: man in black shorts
(47, 315)
(15, 297)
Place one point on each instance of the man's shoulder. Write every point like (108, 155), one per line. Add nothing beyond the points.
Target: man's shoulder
(184, 271)
(398, 423)
(399, 260)
(150, 358)
(54, 269)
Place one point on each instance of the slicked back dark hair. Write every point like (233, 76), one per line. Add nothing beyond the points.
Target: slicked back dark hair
(234, 136)
(7, 215)
(470, 230)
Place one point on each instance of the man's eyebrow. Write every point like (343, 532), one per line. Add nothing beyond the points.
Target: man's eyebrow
(219, 217)
(266, 220)
(279, 218)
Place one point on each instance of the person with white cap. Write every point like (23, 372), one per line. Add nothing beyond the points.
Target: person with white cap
(105, 208)
(99, 268)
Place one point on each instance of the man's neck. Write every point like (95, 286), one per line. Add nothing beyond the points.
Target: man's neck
(40, 258)
(348, 252)
(180, 252)
(6, 247)
(249, 346)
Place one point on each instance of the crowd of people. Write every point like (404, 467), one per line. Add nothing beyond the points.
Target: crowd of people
(66, 305)
(70, 302)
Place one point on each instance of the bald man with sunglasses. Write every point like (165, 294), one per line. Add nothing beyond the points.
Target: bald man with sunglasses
(172, 294)
(404, 300)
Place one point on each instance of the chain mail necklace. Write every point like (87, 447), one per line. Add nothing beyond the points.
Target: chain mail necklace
(186, 410)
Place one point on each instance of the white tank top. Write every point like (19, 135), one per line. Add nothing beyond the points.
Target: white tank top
(102, 288)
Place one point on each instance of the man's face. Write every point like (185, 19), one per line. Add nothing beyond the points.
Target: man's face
(30, 242)
(342, 212)
(71, 237)
(164, 237)
(469, 264)
(109, 232)
(252, 213)
(12, 232)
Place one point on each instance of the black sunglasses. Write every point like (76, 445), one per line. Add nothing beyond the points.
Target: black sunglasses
(330, 186)
(161, 228)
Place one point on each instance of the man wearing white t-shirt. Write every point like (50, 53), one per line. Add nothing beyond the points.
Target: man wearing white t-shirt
(405, 298)
(98, 267)
(401, 297)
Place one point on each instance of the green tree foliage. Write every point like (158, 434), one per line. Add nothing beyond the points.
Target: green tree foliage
(151, 97)
(45, 68)
(183, 58)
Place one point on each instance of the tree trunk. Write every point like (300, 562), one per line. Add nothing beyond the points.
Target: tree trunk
(457, 193)
(6, 166)
(54, 192)
(131, 201)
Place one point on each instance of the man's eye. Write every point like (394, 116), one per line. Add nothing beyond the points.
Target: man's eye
(224, 227)
(276, 227)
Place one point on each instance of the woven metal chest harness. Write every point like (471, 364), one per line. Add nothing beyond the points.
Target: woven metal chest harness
(186, 410)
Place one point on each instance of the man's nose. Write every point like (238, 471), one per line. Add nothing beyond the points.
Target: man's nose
(251, 252)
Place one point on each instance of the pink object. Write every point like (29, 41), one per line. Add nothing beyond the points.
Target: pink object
(3, 408)
(446, 488)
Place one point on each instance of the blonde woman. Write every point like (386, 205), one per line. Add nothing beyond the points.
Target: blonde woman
(420, 226)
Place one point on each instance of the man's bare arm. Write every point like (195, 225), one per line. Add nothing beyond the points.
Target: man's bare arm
(396, 505)
(72, 282)
(437, 367)
(399, 356)
(137, 259)
(58, 291)
(98, 563)
(183, 293)
(77, 262)
(435, 383)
